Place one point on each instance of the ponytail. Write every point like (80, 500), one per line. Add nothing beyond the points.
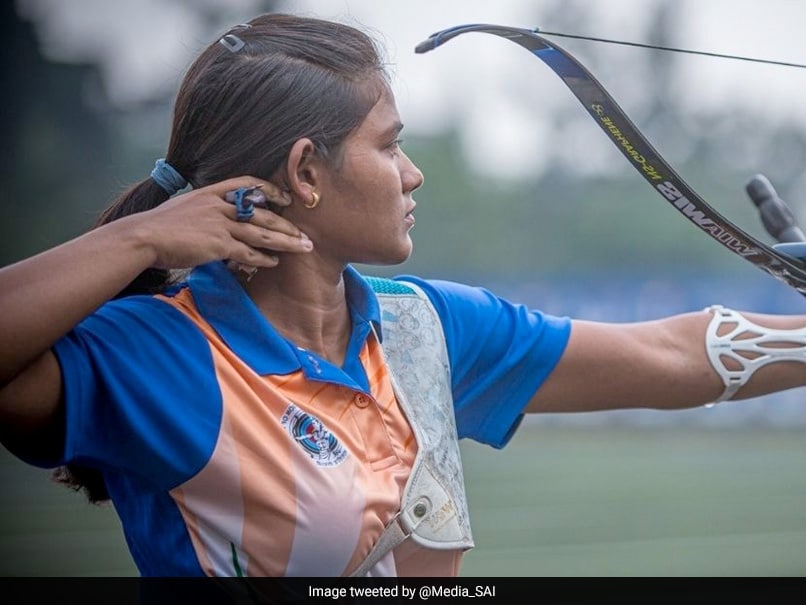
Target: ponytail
(143, 196)
(164, 182)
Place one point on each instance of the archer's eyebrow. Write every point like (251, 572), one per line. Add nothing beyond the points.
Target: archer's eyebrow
(391, 132)
(395, 128)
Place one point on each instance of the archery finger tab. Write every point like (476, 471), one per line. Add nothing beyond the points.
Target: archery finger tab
(245, 199)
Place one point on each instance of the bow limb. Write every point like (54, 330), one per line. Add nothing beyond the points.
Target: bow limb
(639, 152)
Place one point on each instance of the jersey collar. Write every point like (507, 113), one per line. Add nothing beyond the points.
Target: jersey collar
(222, 301)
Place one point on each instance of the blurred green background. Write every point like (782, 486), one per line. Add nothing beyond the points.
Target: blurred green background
(577, 232)
(558, 501)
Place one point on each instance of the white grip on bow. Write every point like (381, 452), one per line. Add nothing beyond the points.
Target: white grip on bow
(738, 347)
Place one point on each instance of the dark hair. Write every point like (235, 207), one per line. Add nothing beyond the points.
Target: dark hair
(241, 106)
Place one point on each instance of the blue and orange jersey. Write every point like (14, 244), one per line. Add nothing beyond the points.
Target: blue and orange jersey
(228, 450)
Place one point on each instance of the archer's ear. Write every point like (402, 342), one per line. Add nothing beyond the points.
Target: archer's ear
(303, 170)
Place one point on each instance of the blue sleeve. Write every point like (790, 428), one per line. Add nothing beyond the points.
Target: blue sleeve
(140, 392)
(500, 353)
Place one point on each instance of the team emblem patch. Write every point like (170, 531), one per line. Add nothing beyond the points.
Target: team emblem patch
(313, 437)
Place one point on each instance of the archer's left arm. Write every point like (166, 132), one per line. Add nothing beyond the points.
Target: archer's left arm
(666, 364)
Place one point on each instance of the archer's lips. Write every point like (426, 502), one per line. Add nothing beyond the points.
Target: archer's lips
(409, 218)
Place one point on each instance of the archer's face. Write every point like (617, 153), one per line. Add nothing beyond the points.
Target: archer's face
(367, 206)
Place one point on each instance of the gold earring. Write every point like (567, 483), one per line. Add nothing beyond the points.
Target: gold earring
(314, 200)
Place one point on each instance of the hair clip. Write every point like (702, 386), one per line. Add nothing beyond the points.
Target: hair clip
(232, 42)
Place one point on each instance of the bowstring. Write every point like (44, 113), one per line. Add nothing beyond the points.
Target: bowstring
(672, 49)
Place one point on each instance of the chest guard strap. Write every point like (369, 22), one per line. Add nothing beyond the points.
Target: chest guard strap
(434, 510)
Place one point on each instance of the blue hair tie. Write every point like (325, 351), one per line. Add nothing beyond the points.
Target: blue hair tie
(167, 177)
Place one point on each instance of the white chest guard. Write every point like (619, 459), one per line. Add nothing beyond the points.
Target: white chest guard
(433, 510)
